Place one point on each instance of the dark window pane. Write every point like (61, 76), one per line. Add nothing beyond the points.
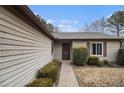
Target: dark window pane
(99, 49)
(94, 49)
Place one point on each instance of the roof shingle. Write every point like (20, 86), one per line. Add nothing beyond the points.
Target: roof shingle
(84, 35)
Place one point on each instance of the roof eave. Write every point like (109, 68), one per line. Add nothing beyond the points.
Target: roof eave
(37, 21)
(25, 11)
(90, 38)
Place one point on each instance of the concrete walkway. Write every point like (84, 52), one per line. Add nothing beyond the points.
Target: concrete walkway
(67, 76)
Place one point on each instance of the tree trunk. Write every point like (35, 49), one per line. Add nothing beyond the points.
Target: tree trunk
(118, 30)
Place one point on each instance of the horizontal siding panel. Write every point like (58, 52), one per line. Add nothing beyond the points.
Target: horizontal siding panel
(0, 45)
(5, 47)
(30, 73)
(23, 50)
(11, 73)
(18, 22)
(8, 59)
(20, 33)
(28, 79)
(21, 28)
(22, 63)
(15, 53)
(11, 65)
(22, 74)
(7, 41)
(12, 36)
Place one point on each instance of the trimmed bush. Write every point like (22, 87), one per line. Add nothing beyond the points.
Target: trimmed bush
(49, 71)
(46, 75)
(42, 82)
(101, 63)
(80, 56)
(120, 57)
(92, 60)
(106, 62)
(57, 62)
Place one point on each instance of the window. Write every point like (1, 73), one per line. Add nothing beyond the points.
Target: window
(96, 48)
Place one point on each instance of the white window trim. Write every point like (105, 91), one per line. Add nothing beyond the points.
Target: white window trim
(91, 48)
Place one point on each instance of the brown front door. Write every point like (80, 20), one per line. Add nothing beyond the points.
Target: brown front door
(65, 51)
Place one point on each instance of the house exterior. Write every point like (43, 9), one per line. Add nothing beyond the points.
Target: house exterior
(26, 45)
(101, 45)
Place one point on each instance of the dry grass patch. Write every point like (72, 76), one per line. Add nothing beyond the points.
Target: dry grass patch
(99, 77)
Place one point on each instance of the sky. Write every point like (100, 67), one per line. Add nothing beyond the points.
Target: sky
(71, 18)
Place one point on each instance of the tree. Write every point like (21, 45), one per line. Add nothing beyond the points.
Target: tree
(116, 22)
(49, 26)
(96, 26)
(56, 29)
(42, 20)
(86, 28)
(102, 23)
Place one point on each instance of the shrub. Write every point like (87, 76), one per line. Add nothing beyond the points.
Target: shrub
(57, 62)
(42, 82)
(93, 60)
(120, 57)
(106, 62)
(100, 63)
(49, 71)
(80, 56)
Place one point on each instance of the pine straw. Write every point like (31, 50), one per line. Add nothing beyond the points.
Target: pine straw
(99, 77)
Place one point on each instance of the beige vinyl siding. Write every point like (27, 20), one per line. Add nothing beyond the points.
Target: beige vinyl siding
(112, 48)
(77, 44)
(23, 50)
(58, 51)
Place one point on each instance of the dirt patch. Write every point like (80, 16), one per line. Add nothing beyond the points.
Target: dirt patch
(89, 76)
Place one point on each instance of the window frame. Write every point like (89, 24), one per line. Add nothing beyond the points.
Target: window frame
(91, 54)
